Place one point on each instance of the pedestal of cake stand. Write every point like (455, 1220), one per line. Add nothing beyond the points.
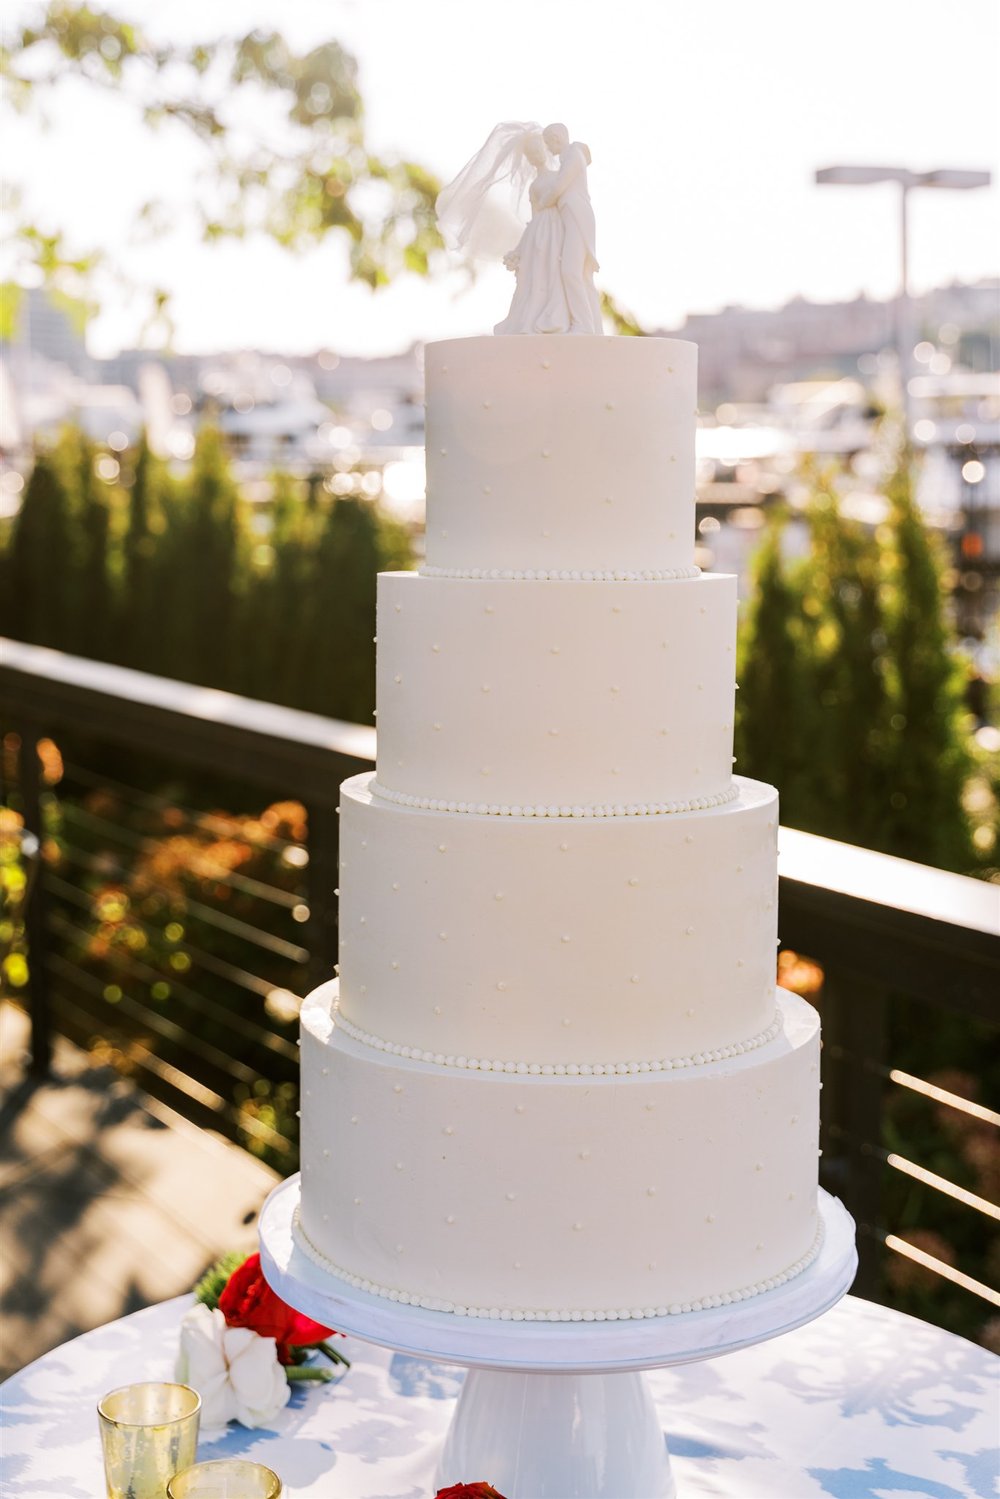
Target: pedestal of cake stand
(555, 1410)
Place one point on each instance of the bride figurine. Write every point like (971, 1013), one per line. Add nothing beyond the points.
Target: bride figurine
(554, 260)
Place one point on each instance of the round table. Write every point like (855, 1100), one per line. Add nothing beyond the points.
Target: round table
(861, 1404)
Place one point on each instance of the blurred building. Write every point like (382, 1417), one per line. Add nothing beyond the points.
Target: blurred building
(743, 352)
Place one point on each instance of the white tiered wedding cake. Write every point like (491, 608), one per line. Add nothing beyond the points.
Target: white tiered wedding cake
(556, 1081)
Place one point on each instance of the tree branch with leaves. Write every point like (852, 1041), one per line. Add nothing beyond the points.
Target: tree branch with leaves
(281, 135)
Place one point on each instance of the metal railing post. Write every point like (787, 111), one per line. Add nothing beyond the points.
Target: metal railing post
(34, 908)
(854, 1023)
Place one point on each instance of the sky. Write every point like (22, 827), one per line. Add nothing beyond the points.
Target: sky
(706, 122)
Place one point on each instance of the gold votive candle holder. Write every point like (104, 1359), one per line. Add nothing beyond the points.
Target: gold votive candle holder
(225, 1478)
(148, 1433)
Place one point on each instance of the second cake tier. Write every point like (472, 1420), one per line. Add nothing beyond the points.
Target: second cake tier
(557, 694)
(558, 941)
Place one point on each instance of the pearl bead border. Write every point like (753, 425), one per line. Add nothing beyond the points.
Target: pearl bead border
(618, 809)
(576, 1314)
(557, 1069)
(564, 575)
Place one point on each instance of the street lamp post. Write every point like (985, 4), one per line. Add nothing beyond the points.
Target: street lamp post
(857, 176)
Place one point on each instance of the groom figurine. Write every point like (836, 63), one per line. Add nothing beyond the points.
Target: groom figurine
(579, 256)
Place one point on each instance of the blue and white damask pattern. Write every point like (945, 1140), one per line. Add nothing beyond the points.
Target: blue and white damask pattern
(863, 1404)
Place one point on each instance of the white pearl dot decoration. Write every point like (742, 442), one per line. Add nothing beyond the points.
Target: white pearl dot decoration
(564, 575)
(559, 1068)
(482, 809)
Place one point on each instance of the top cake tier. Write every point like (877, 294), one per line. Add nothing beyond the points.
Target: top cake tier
(561, 454)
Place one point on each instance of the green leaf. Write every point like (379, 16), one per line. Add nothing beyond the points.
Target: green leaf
(213, 1282)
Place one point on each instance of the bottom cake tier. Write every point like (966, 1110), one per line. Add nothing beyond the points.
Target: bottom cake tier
(559, 1197)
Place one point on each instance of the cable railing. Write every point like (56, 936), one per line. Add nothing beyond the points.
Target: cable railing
(189, 974)
(887, 931)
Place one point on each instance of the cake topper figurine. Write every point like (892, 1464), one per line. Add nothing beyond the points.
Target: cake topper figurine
(555, 259)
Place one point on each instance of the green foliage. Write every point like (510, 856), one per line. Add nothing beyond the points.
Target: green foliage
(170, 576)
(213, 1282)
(305, 172)
(37, 604)
(771, 672)
(851, 688)
(929, 758)
(11, 299)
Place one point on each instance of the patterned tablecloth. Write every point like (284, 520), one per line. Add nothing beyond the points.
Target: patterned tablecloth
(862, 1404)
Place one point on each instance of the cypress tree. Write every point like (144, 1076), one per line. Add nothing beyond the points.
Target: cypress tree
(342, 681)
(93, 606)
(278, 596)
(929, 756)
(771, 706)
(38, 609)
(846, 675)
(139, 610)
(208, 556)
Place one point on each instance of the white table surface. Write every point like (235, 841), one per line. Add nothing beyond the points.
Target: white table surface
(862, 1404)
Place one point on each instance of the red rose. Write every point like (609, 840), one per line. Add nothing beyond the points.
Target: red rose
(469, 1491)
(248, 1301)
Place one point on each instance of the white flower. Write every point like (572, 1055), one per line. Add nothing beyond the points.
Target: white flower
(235, 1371)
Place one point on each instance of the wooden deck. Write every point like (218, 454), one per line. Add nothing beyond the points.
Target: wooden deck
(108, 1200)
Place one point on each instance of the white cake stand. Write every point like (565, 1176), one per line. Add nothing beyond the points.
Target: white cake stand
(555, 1410)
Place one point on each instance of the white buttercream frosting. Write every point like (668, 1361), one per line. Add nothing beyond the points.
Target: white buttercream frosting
(588, 809)
(489, 937)
(565, 454)
(508, 694)
(552, 1082)
(576, 1314)
(562, 1069)
(487, 1189)
(564, 575)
